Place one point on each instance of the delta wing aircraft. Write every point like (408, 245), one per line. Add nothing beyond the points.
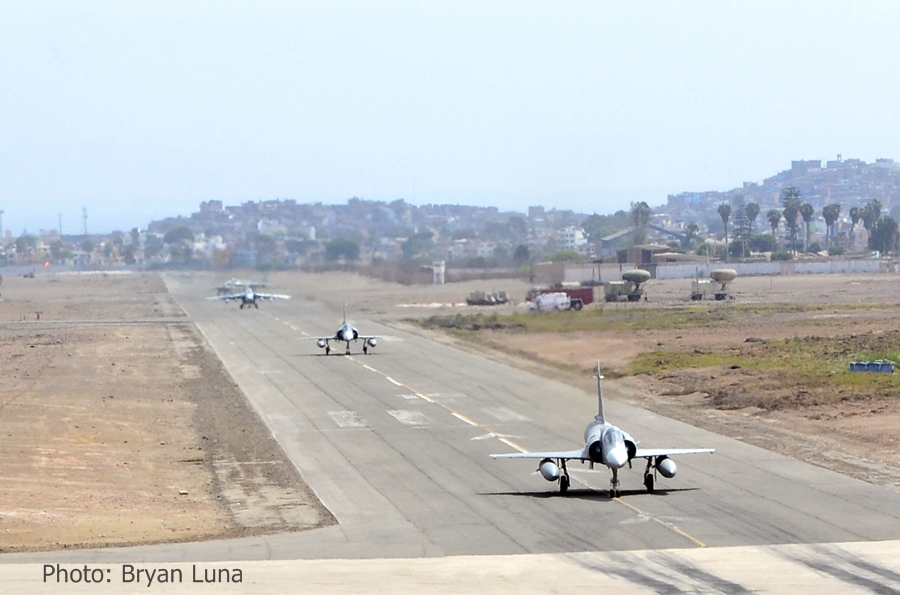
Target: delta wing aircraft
(249, 297)
(606, 444)
(346, 333)
(229, 286)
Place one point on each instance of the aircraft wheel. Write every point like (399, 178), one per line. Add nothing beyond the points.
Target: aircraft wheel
(365, 350)
(327, 350)
(563, 484)
(648, 482)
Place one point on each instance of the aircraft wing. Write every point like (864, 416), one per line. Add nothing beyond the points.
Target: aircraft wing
(646, 453)
(233, 296)
(272, 296)
(565, 454)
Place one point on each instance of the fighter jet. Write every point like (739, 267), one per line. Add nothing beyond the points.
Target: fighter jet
(346, 333)
(229, 286)
(607, 445)
(249, 297)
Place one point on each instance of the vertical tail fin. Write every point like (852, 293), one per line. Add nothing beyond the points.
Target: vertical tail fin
(600, 417)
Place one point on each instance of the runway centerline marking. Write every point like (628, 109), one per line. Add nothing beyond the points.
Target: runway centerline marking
(521, 449)
(462, 417)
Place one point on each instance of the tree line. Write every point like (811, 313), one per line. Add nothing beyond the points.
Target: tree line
(882, 229)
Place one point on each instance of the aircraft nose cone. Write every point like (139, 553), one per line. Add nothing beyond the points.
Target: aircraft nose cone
(617, 457)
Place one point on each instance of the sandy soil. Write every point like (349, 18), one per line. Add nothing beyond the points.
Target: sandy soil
(118, 426)
(855, 434)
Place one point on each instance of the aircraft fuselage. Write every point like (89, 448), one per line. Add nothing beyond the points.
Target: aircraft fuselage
(608, 445)
(346, 333)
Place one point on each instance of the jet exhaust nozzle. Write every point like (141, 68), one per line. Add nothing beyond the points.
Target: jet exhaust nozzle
(549, 470)
(666, 467)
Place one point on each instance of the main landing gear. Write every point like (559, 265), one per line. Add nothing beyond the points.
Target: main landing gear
(648, 477)
(564, 480)
(327, 349)
(365, 349)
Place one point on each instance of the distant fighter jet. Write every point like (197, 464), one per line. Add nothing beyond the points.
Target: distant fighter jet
(346, 333)
(249, 297)
(228, 287)
(606, 444)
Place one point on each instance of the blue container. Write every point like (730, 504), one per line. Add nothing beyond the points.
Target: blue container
(873, 366)
(857, 366)
(887, 366)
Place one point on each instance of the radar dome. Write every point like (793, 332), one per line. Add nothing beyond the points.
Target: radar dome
(723, 275)
(636, 276)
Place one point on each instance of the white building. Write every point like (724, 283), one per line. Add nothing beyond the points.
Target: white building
(572, 238)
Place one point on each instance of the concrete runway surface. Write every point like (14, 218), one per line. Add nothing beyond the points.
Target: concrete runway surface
(396, 445)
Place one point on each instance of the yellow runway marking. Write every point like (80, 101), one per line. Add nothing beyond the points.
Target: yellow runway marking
(668, 526)
(509, 442)
(465, 419)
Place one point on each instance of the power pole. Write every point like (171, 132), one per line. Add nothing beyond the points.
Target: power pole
(84, 218)
(59, 216)
(1, 225)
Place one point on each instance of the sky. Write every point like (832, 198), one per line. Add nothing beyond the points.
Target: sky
(140, 110)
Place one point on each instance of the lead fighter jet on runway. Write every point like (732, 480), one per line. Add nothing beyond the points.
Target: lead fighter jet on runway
(346, 333)
(249, 297)
(606, 444)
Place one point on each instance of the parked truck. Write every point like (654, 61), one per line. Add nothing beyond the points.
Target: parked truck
(578, 297)
(630, 288)
(716, 286)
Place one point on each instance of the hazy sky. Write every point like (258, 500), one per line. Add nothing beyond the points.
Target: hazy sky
(140, 110)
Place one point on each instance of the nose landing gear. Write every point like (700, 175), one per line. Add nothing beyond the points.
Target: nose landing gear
(614, 491)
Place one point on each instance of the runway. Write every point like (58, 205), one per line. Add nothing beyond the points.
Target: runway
(397, 443)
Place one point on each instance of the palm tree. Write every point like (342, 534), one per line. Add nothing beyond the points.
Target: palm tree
(790, 203)
(691, 234)
(870, 214)
(725, 214)
(774, 217)
(807, 211)
(855, 216)
(830, 213)
(640, 217)
(751, 209)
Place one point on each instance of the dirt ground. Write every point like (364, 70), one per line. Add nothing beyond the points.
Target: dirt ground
(855, 434)
(118, 426)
